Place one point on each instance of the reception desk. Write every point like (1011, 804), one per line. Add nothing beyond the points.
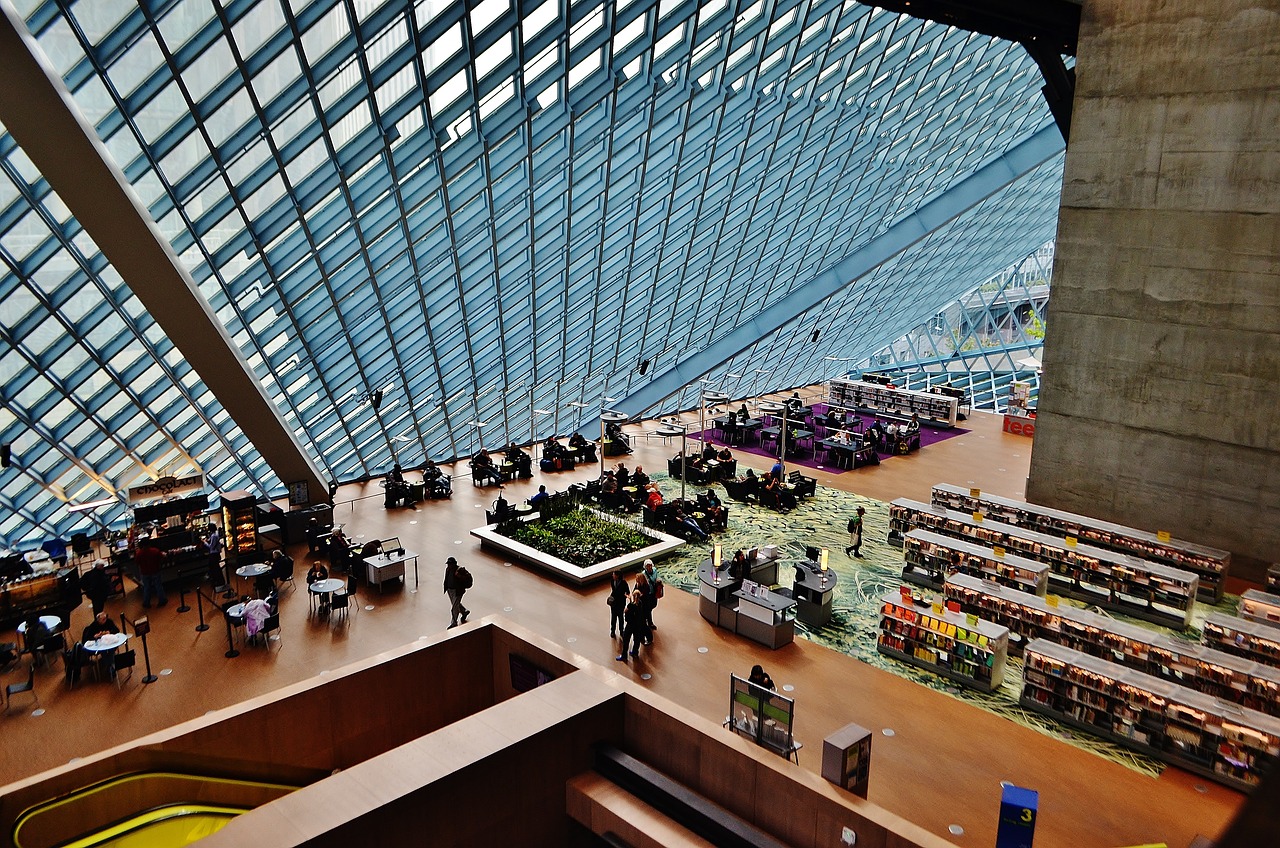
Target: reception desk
(764, 617)
(813, 591)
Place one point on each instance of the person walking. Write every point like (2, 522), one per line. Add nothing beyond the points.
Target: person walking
(150, 561)
(855, 534)
(617, 601)
(457, 580)
(634, 631)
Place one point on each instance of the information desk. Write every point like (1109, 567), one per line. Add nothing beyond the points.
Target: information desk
(767, 620)
(812, 591)
(765, 616)
(383, 567)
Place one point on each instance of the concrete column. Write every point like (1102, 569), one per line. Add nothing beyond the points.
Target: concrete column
(39, 113)
(1160, 403)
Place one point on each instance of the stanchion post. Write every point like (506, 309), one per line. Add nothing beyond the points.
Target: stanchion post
(182, 600)
(231, 645)
(201, 627)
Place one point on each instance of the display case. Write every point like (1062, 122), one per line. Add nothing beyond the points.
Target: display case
(42, 593)
(964, 648)
(930, 557)
(1249, 639)
(1225, 742)
(1109, 579)
(846, 758)
(1256, 605)
(763, 716)
(1213, 672)
(938, 410)
(240, 518)
(1209, 564)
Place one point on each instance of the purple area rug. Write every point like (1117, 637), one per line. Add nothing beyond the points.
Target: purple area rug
(928, 436)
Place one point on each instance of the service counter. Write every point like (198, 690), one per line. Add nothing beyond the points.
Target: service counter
(747, 606)
(813, 591)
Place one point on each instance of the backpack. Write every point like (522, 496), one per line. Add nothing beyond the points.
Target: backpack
(463, 577)
(853, 524)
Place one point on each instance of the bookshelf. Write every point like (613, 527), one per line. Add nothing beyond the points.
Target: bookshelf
(1256, 605)
(1112, 580)
(1227, 743)
(1248, 639)
(1209, 564)
(937, 409)
(930, 557)
(962, 648)
(846, 758)
(1204, 669)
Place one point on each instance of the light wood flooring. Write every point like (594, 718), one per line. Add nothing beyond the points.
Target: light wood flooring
(942, 766)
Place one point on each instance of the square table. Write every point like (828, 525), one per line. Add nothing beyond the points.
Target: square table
(388, 566)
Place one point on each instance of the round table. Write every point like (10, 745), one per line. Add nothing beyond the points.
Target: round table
(323, 588)
(248, 572)
(236, 610)
(106, 643)
(51, 622)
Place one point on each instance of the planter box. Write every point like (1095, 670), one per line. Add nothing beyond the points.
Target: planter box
(663, 545)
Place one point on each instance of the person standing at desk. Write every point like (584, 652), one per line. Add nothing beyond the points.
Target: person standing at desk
(150, 561)
(96, 586)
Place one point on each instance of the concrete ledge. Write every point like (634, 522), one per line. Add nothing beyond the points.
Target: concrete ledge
(663, 545)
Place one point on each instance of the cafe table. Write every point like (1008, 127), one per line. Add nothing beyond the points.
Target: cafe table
(107, 643)
(321, 589)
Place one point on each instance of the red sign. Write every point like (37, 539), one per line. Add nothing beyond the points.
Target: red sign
(1019, 426)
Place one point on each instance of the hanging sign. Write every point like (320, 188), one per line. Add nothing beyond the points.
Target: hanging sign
(165, 487)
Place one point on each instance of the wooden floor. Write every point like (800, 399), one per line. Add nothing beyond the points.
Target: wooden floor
(941, 767)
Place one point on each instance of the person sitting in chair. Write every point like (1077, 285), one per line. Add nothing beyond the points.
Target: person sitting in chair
(613, 432)
(483, 469)
(539, 497)
(316, 573)
(638, 478)
(691, 524)
(794, 402)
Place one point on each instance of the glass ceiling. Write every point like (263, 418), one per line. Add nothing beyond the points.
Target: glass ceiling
(481, 209)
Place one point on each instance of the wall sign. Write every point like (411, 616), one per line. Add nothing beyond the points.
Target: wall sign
(165, 487)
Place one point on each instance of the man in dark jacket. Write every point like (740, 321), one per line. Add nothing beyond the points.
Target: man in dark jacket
(96, 586)
(150, 560)
(456, 583)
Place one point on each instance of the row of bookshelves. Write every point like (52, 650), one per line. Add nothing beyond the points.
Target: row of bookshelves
(930, 557)
(1223, 741)
(1259, 606)
(1204, 669)
(1209, 564)
(926, 633)
(1112, 580)
(939, 409)
(1248, 639)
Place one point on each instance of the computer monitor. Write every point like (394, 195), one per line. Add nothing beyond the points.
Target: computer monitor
(392, 545)
(751, 554)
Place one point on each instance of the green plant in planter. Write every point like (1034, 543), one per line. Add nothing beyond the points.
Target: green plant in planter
(579, 537)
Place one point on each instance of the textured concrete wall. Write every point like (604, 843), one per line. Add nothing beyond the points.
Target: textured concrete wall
(1160, 404)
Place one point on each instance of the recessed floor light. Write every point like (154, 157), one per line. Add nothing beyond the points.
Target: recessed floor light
(646, 676)
(415, 521)
(703, 649)
(787, 687)
(457, 541)
(889, 731)
(1200, 787)
(507, 564)
(571, 639)
(165, 672)
(506, 609)
(955, 830)
(39, 711)
(370, 607)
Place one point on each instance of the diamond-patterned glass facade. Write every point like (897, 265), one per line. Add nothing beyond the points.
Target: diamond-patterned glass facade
(483, 209)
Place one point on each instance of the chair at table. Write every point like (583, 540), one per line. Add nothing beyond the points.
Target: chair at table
(125, 659)
(341, 603)
(18, 688)
(350, 593)
(270, 623)
(284, 573)
(82, 547)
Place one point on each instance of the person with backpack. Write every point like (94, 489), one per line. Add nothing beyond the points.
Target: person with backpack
(457, 580)
(855, 534)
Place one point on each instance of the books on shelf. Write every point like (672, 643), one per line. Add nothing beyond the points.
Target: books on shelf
(1223, 741)
(1213, 672)
(937, 409)
(1209, 564)
(930, 557)
(1151, 591)
(1249, 639)
(965, 649)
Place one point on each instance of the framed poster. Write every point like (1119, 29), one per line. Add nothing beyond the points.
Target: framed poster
(299, 494)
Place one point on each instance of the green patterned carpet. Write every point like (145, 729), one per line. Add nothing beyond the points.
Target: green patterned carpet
(821, 522)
